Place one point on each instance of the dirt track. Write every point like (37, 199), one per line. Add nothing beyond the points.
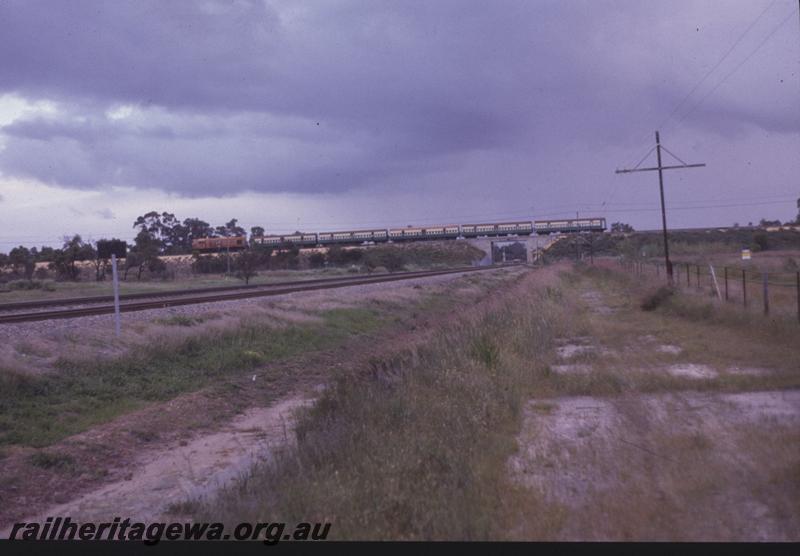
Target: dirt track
(692, 462)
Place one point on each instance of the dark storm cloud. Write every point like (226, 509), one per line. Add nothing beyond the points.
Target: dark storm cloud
(313, 97)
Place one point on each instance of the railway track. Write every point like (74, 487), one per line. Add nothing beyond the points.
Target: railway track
(89, 300)
(205, 295)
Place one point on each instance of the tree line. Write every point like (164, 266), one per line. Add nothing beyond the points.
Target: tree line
(157, 234)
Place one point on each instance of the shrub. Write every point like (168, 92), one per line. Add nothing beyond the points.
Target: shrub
(25, 285)
(209, 264)
(49, 460)
(762, 241)
(317, 260)
(655, 299)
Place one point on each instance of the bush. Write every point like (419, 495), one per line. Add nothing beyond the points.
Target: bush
(209, 264)
(317, 260)
(25, 285)
(762, 241)
(48, 460)
(655, 299)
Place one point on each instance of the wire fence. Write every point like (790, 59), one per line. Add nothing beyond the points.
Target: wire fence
(770, 292)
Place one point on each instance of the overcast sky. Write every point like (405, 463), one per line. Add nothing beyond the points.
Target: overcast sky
(344, 114)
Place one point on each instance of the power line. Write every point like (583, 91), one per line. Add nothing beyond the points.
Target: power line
(718, 64)
(735, 69)
(709, 72)
(705, 77)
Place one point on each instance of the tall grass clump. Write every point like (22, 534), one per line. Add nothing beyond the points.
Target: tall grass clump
(655, 298)
(415, 447)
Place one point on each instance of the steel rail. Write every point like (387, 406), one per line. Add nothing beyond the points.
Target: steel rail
(227, 296)
(67, 301)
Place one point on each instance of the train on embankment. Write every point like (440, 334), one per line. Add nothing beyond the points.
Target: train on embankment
(409, 233)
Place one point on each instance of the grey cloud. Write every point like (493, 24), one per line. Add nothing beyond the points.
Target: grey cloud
(326, 97)
(105, 214)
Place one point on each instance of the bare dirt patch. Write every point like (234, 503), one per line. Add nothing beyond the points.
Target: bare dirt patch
(571, 369)
(752, 371)
(570, 350)
(189, 471)
(692, 370)
(596, 304)
(686, 466)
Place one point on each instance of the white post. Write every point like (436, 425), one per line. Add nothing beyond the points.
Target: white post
(714, 276)
(116, 293)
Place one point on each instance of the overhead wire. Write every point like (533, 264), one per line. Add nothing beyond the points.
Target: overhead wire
(735, 69)
(705, 77)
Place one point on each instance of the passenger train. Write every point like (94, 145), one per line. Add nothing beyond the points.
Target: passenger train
(451, 231)
(410, 233)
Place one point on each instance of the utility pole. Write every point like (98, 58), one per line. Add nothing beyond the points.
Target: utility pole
(661, 169)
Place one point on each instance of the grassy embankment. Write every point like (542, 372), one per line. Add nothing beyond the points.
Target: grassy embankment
(416, 448)
(39, 410)
(419, 448)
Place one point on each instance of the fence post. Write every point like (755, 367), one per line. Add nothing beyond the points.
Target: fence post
(726, 282)
(766, 293)
(687, 275)
(744, 287)
(697, 282)
(798, 296)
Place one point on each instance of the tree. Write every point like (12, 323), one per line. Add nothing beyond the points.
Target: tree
(231, 229)
(163, 227)
(46, 254)
(194, 228)
(621, 227)
(144, 254)
(764, 223)
(21, 259)
(256, 232)
(101, 263)
(247, 263)
(65, 259)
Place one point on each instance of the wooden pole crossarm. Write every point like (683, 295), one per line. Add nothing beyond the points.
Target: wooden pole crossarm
(660, 169)
(657, 168)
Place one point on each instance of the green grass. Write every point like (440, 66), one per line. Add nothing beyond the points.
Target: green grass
(39, 410)
(415, 449)
(180, 320)
(85, 288)
(50, 460)
(418, 448)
